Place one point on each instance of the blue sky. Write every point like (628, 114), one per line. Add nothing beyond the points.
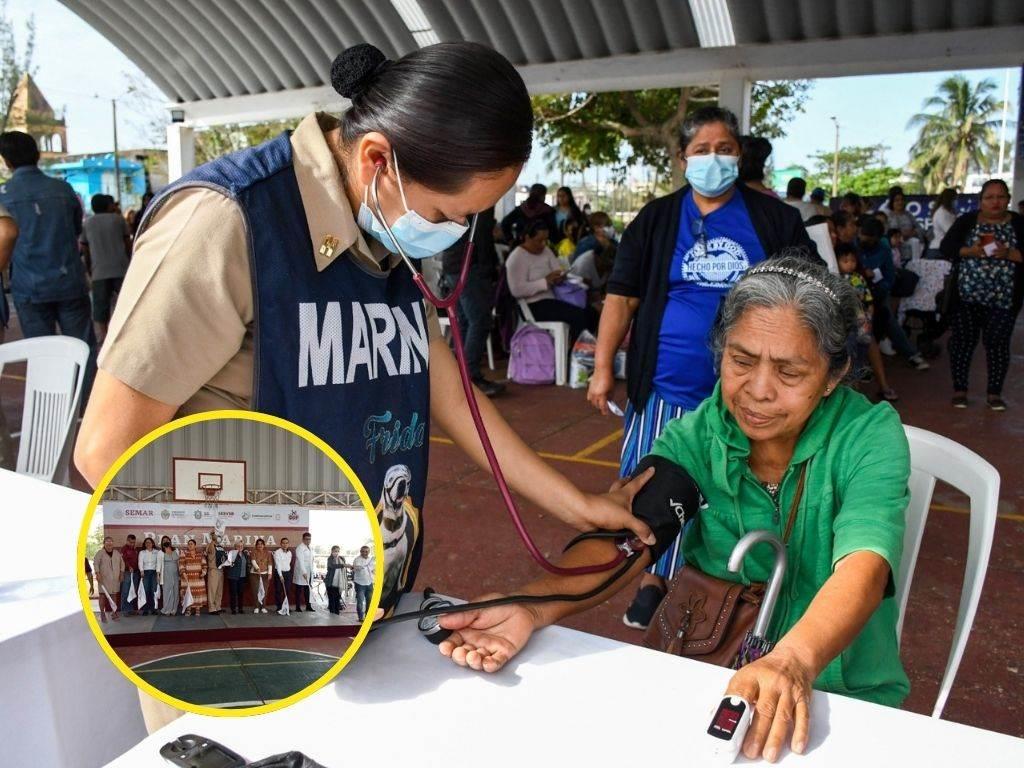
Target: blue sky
(75, 63)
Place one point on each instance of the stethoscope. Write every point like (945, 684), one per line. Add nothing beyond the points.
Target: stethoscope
(467, 386)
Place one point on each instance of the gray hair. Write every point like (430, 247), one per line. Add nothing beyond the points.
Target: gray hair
(827, 305)
(707, 116)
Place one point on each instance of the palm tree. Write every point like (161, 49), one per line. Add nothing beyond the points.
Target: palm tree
(958, 133)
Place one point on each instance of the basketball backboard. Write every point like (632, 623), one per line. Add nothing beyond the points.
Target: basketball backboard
(195, 478)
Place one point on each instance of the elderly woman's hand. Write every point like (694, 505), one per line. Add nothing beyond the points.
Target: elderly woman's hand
(779, 687)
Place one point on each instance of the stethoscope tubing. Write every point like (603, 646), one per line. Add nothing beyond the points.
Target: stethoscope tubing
(467, 387)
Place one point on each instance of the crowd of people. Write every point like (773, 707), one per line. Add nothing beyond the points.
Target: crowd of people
(151, 579)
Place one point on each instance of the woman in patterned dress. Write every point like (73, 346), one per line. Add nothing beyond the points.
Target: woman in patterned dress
(192, 569)
(985, 248)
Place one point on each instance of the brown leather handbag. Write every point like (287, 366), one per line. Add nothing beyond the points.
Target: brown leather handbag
(706, 618)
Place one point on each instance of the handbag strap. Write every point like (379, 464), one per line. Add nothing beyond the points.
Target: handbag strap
(796, 503)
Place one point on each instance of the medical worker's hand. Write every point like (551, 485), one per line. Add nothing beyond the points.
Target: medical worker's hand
(612, 511)
(779, 687)
(486, 639)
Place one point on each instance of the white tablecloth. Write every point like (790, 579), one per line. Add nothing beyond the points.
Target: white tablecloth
(569, 699)
(62, 703)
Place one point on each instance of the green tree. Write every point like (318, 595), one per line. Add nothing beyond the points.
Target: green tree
(852, 160)
(219, 140)
(862, 169)
(875, 181)
(12, 66)
(94, 542)
(958, 133)
(579, 130)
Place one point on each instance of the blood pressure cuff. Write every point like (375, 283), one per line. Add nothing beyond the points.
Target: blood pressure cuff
(667, 502)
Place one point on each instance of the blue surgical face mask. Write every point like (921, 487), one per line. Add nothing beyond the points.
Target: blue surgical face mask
(712, 175)
(418, 238)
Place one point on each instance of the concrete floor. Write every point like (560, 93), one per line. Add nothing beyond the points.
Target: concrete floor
(472, 548)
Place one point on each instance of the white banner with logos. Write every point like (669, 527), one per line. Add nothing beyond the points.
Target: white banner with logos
(181, 522)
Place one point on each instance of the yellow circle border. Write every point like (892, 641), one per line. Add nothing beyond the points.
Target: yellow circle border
(368, 507)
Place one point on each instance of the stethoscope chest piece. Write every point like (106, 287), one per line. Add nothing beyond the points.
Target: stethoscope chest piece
(430, 626)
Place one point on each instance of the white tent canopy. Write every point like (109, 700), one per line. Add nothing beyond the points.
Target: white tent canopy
(221, 61)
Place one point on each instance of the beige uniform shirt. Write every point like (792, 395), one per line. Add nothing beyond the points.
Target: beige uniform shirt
(182, 332)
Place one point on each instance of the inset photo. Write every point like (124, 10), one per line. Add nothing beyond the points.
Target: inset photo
(230, 563)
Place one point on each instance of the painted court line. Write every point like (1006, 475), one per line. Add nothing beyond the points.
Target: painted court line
(332, 662)
(598, 445)
(552, 456)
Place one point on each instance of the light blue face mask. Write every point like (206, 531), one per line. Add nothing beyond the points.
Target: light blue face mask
(711, 175)
(417, 238)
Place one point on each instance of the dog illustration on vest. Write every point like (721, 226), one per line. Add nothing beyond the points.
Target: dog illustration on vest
(398, 519)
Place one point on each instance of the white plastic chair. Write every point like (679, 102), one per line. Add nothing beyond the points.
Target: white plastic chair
(933, 457)
(53, 390)
(560, 333)
(446, 331)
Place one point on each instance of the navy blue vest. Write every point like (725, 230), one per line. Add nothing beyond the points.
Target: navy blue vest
(342, 352)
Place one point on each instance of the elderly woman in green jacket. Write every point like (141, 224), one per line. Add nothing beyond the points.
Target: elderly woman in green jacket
(782, 345)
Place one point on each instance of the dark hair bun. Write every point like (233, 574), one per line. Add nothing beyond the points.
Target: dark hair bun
(355, 68)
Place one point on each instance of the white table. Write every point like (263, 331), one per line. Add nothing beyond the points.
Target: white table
(62, 703)
(569, 699)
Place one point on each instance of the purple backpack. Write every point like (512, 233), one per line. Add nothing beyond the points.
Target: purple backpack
(532, 356)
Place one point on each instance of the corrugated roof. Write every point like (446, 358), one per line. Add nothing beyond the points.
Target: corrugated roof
(203, 49)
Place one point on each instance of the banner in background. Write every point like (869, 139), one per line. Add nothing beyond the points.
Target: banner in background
(919, 206)
(236, 522)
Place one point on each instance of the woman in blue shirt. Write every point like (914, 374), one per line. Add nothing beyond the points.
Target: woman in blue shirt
(675, 263)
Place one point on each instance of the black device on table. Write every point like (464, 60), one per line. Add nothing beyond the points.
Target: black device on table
(191, 751)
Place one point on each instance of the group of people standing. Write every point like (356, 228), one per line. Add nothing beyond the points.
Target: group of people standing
(980, 299)
(151, 579)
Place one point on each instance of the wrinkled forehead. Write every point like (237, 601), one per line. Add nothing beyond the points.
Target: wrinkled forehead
(776, 333)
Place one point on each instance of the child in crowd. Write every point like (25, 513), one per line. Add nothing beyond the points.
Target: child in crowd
(850, 269)
(567, 245)
(900, 257)
(876, 258)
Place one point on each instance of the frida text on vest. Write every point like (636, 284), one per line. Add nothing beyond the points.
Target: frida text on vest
(360, 342)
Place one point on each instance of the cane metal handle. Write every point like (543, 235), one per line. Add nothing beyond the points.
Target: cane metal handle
(774, 585)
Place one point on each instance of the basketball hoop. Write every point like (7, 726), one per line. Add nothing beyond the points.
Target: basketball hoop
(211, 492)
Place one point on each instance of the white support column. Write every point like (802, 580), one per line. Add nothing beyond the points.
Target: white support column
(734, 95)
(506, 204)
(1017, 188)
(181, 150)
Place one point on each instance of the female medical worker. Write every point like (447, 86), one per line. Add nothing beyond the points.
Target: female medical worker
(266, 280)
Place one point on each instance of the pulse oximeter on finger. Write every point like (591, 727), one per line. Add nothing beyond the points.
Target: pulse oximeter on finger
(728, 728)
